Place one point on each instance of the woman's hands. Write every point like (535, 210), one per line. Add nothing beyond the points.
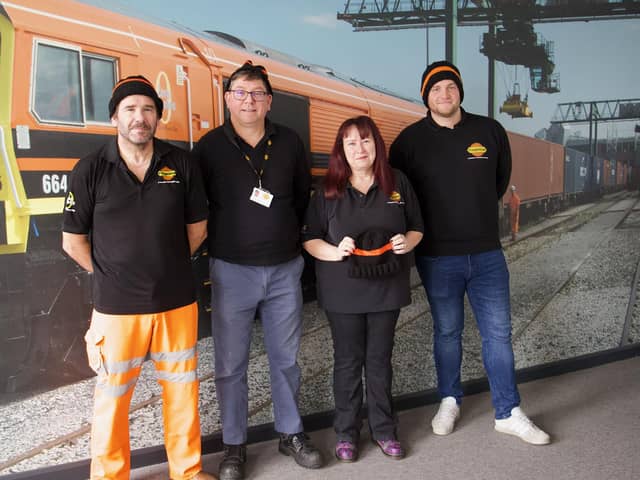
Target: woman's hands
(346, 247)
(322, 250)
(405, 243)
(328, 252)
(399, 244)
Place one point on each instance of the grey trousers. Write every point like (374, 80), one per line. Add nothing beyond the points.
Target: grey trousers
(238, 293)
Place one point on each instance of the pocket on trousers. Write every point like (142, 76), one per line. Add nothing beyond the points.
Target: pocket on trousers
(95, 342)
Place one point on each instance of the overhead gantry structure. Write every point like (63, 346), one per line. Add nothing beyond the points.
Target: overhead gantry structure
(367, 15)
(510, 37)
(597, 111)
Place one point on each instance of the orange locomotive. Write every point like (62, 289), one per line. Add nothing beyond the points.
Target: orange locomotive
(58, 64)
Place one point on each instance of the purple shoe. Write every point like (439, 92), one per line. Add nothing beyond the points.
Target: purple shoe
(346, 452)
(391, 448)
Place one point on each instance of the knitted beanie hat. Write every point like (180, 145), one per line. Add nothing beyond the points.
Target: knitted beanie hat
(134, 85)
(373, 256)
(440, 71)
(251, 72)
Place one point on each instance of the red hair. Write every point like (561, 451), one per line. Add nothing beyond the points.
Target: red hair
(339, 171)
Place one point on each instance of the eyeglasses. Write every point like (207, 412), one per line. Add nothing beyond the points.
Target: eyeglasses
(257, 95)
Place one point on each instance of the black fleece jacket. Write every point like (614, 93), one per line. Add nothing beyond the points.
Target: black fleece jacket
(458, 175)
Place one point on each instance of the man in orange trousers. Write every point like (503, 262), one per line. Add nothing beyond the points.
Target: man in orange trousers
(135, 212)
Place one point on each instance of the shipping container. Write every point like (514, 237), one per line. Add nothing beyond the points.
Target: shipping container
(578, 171)
(538, 167)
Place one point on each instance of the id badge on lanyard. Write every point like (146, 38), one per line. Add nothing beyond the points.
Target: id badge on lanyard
(261, 196)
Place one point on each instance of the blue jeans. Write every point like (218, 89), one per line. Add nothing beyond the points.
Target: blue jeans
(238, 293)
(485, 279)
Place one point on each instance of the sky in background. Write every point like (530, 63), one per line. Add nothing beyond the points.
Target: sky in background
(596, 60)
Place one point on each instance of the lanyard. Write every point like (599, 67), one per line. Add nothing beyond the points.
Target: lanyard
(264, 160)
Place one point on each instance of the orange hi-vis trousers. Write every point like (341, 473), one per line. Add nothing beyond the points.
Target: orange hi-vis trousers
(117, 346)
(515, 220)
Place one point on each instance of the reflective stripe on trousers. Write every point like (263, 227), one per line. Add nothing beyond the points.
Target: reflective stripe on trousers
(117, 346)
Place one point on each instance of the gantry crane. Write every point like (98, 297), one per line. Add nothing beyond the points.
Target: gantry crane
(510, 37)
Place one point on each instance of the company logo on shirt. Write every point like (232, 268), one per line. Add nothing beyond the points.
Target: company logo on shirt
(477, 150)
(395, 199)
(70, 203)
(167, 174)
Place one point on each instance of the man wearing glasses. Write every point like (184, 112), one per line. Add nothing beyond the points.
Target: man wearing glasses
(257, 178)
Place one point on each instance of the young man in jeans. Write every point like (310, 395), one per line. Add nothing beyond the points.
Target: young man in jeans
(459, 164)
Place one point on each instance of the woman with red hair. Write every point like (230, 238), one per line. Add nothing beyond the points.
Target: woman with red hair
(360, 226)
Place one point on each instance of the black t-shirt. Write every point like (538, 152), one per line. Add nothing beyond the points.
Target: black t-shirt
(351, 215)
(458, 175)
(242, 231)
(139, 244)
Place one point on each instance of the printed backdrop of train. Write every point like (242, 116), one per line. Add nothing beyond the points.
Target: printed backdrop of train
(58, 64)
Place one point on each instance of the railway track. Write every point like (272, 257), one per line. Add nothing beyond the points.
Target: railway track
(573, 225)
(631, 330)
(633, 310)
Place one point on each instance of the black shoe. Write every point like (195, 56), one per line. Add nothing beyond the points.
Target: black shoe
(301, 449)
(232, 464)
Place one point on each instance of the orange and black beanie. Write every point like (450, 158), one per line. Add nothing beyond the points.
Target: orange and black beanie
(251, 72)
(134, 85)
(373, 256)
(437, 71)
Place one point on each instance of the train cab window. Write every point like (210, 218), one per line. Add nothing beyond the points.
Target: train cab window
(71, 87)
(57, 85)
(99, 75)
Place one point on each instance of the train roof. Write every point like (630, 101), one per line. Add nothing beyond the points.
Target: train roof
(298, 62)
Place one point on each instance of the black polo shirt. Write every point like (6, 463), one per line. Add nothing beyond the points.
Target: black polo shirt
(351, 215)
(139, 245)
(458, 174)
(242, 231)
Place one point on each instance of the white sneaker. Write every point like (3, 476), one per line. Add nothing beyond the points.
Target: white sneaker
(445, 419)
(520, 425)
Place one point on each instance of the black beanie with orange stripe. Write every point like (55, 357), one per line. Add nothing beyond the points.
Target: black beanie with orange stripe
(134, 85)
(436, 72)
(373, 256)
